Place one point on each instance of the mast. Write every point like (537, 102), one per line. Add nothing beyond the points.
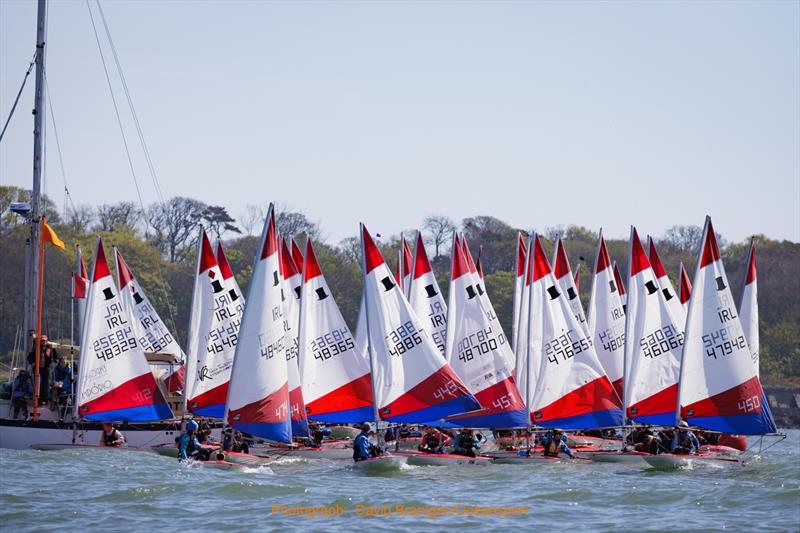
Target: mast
(33, 246)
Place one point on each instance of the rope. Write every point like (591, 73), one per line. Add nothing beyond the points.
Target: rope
(146, 151)
(116, 109)
(19, 94)
(67, 195)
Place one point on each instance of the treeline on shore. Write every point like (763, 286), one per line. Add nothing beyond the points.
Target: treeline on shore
(158, 243)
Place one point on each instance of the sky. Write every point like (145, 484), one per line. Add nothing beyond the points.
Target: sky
(601, 114)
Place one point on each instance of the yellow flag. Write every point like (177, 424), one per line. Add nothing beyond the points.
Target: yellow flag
(50, 236)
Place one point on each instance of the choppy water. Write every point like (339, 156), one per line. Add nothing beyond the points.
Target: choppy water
(89, 490)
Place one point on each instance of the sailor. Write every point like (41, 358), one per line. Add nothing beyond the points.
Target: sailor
(556, 443)
(21, 390)
(316, 435)
(111, 436)
(47, 355)
(684, 442)
(233, 441)
(363, 448)
(62, 385)
(466, 443)
(432, 441)
(188, 445)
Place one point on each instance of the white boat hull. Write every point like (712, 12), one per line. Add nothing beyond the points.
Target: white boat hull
(380, 465)
(675, 462)
(441, 459)
(21, 436)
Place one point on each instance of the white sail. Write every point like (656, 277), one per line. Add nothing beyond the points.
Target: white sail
(519, 285)
(664, 283)
(748, 305)
(114, 382)
(563, 274)
(425, 297)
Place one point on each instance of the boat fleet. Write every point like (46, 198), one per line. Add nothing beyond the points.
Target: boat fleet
(268, 363)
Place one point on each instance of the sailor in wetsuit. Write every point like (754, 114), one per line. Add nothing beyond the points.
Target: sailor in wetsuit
(111, 436)
(363, 448)
(684, 442)
(556, 443)
(189, 447)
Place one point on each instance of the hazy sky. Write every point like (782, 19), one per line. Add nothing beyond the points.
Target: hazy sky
(538, 113)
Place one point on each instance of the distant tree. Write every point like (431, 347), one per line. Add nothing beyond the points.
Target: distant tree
(684, 238)
(350, 248)
(295, 223)
(440, 228)
(78, 219)
(252, 219)
(123, 216)
(499, 241)
(217, 221)
(174, 224)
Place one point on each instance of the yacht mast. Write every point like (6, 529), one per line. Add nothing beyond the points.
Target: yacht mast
(32, 246)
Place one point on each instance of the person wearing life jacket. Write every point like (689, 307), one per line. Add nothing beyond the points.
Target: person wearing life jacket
(684, 441)
(363, 448)
(111, 436)
(233, 441)
(62, 385)
(556, 443)
(316, 435)
(21, 390)
(432, 441)
(189, 447)
(466, 443)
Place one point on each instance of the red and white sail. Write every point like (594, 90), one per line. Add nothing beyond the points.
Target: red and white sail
(403, 273)
(412, 382)
(567, 384)
(621, 285)
(80, 288)
(563, 274)
(115, 382)
(478, 266)
(654, 345)
(213, 333)
(684, 287)
(720, 389)
(664, 283)
(425, 297)
(605, 319)
(334, 369)
(577, 279)
(478, 352)
(291, 291)
(748, 304)
(519, 284)
(258, 398)
(521, 371)
(151, 332)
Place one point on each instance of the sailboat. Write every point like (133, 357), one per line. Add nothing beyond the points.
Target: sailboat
(114, 382)
(213, 334)
(563, 274)
(664, 283)
(258, 396)
(519, 284)
(426, 298)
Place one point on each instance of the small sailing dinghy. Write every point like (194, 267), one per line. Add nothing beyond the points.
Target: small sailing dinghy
(417, 458)
(244, 459)
(114, 381)
(425, 297)
(383, 464)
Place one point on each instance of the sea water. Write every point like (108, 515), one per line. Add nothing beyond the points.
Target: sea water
(112, 490)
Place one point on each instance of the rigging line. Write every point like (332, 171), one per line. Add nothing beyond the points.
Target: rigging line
(116, 109)
(19, 94)
(67, 196)
(139, 131)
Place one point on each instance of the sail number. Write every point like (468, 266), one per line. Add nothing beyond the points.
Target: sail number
(750, 404)
(722, 342)
(612, 339)
(332, 343)
(661, 341)
(479, 343)
(404, 338)
(114, 344)
(224, 336)
(565, 346)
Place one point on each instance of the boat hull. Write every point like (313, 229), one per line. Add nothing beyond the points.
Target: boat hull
(616, 457)
(676, 462)
(244, 459)
(441, 459)
(380, 465)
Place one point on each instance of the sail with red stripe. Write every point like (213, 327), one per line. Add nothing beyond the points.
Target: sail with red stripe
(653, 347)
(563, 274)
(334, 369)
(719, 387)
(477, 351)
(115, 383)
(521, 371)
(519, 284)
(297, 254)
(412, 382)
(213, 333)
(151, 332)
(80, 288)
(425, 297)
(258, 397)
(567, 384)
(291, 290)
(403, 273)
(684, 287)
(664, 283)
(605, 319)
(748, 304)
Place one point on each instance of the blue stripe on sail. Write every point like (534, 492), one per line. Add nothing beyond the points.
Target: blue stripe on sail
(213, 411)
(350, 416)
(143, 413)
(504, 420)
(661, 419)
(277, 431)
(455, 406)
(752, 424)
(299, 428)
(598, 419)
